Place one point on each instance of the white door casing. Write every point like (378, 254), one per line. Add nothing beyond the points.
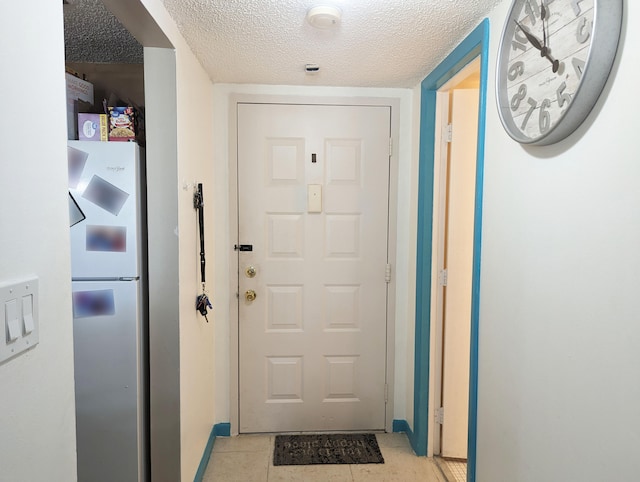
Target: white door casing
(459, 261)
(312, 345)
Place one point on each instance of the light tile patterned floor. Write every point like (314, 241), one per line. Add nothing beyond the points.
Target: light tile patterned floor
(249, 458)
(458, 470)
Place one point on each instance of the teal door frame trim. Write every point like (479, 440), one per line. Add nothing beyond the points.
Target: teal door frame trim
(475, 45)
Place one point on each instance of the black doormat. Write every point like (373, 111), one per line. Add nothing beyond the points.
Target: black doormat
(354, 448)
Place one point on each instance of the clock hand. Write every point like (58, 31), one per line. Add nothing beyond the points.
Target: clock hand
(543, 17)
(544, 51)
(533, 40)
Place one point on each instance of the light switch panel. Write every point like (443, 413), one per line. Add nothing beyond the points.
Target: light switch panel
(314, 201)
(19, 302)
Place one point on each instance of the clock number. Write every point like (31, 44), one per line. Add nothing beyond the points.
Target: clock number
(533, 105)
(520, 42)
(518, 97)
(578, 65)
(532, 10)
(545, 117)
(516, 70)
(576, 7)
(584, 30)
(518, 46)
(562, 97)
(519, 36)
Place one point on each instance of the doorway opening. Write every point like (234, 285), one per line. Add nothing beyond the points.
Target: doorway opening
(426, 403)
(454, 203)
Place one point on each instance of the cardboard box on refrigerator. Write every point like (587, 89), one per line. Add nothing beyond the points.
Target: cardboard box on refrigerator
(78, 90)
(122, 125)
(92, 127)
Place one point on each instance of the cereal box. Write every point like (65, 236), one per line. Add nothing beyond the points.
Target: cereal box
(122, 124)
(92, 127)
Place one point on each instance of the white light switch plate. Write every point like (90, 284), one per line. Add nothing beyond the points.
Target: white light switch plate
(314, 198)
(18, 317)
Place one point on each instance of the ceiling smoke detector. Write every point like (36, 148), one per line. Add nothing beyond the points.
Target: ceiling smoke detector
(324, 17)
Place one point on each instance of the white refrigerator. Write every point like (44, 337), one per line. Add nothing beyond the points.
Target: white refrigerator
(107, 217)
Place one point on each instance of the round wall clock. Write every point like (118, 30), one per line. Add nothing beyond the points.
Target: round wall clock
(554, 60)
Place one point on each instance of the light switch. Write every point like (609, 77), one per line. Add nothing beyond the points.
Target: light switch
(11, 320)
(314, 198)
(27, 314)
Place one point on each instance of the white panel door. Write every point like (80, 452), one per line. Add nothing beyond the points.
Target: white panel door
(459, 264)
(313, 203)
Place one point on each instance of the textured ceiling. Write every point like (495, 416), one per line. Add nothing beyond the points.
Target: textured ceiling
(93, 34)
(379, 43)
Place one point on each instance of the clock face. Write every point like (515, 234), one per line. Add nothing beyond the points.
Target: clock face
(545, 65)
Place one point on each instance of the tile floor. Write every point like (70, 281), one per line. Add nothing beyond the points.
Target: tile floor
(249, 458)
(453, 470)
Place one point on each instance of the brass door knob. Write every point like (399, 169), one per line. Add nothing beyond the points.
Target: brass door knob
(250, 295)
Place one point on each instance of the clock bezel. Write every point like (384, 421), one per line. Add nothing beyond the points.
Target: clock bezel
(607, 26)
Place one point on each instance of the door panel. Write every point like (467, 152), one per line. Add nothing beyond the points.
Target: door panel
(459, 261)
(313, 342)
(103, 181)
(108, 380)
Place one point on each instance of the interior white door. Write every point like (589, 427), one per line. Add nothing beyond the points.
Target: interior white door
(313, 203)
(459, 265)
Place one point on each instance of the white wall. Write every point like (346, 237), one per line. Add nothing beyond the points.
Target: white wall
(559, 388)
(37, 412)
(193, 337)
(405, 271)
(164, 261)
(195, 158)
(37, 416)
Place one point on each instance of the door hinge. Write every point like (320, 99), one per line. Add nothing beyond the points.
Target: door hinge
(387, 273)
(386, 393)
(448, 133)
(390, 146)
(443, 277)
(440, 415)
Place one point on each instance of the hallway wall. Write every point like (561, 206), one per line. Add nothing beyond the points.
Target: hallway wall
(559, 305)
(37, 416)
(37, 406)
(179, 156)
